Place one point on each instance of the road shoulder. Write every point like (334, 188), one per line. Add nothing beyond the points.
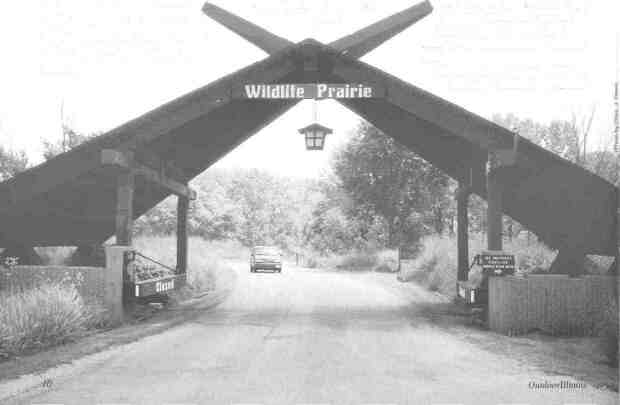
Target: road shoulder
(27, 372)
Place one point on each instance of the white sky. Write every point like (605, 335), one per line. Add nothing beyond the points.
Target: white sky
(112, 60)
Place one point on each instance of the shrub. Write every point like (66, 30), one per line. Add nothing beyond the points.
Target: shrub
(435, 283)
(310, 262)
(535, 258)
(357, 261)
(387, 261)
(43, 316)
(435, 266)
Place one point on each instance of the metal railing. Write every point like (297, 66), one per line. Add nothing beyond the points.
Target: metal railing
(150, 259)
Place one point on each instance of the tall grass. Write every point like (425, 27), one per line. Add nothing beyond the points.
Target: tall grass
(41, 317)
(435, 266)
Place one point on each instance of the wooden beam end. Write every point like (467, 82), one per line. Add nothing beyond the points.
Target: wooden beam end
(111, 157)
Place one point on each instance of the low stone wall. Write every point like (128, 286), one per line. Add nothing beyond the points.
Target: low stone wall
(89, 281)
(554, 304)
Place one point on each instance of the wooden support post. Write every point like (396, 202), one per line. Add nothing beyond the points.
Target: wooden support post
(124, 208)
(113, 298)
(88, 255)
(494, 205)
(569, 261)
(462, 229)
(182, 211)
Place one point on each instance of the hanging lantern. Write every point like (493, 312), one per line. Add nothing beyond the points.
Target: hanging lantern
(315, 136)
(315, 133)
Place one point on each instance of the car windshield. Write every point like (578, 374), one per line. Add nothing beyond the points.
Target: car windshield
(266, 251)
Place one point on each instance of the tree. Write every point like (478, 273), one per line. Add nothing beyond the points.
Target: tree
(606, 164)
(11, 163)
(386, 179)
(71, 139)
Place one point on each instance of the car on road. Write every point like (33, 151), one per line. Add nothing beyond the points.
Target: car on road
(266, 258)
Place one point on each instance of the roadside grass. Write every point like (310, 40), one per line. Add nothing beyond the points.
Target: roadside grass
(44, 316)
(435, 266)
(385, 261)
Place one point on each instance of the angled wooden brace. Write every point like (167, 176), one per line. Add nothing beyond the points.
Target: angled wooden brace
(355, 45)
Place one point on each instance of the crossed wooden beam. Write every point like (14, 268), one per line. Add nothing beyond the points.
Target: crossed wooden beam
(355, 45)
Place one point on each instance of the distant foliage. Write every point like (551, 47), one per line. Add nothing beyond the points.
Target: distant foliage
(250, 206)
(565, 138)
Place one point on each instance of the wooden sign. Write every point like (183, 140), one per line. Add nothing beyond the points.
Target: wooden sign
(499, 264)
(308, 91)
(163, 285)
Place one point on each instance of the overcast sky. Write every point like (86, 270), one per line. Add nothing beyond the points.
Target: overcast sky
(109, 61)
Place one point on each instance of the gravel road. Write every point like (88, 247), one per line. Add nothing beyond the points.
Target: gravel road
(310, 337)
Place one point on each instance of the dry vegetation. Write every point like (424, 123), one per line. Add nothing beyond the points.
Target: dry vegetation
(43, 316)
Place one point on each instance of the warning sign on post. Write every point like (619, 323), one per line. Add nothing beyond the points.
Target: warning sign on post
(497, 264)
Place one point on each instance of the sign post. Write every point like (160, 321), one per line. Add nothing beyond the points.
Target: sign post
(492, 263)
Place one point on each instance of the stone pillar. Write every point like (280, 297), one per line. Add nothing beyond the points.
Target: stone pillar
(113, 284)
(124, 208)
(462, 229)
(494, 205)
(182, 211)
